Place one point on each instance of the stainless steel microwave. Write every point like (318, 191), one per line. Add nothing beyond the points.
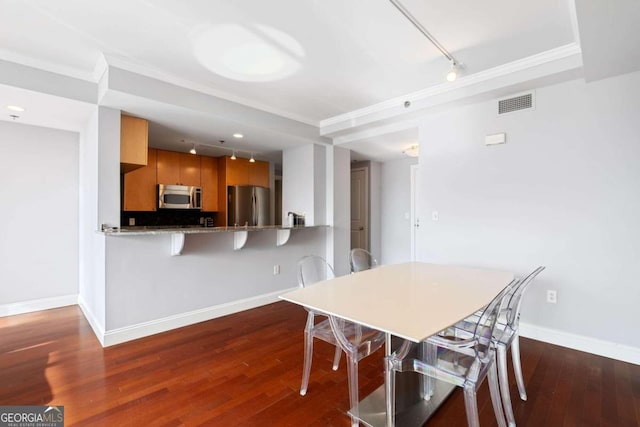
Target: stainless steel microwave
(179, 197)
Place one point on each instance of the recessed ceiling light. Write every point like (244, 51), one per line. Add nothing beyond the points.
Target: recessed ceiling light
(238, 135)
(15, 108)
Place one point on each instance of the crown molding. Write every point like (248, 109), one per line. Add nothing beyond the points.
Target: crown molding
(475, 79)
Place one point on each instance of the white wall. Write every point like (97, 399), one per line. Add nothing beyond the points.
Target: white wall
(147, 286)
(563, 192)
(297, 180)
(304, 183)
(395, 195)
(99, 204)
(38, 218)
(339, 208)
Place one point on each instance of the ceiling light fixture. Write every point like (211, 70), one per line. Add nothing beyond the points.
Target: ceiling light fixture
(412, 151)
(193, 149)
(452, 74)
(238, 135)
(15, 108)
(233, 156)
(252, 160)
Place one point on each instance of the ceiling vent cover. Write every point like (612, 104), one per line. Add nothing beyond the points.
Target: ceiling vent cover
(516, 103)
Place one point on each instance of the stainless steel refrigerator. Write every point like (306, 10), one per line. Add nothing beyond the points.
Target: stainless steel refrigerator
(248, 205)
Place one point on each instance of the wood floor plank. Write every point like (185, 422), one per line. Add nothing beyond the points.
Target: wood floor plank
(245, 369)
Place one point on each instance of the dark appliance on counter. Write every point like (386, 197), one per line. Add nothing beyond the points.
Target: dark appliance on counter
(179, 197)
(248, 205)
(295, 219)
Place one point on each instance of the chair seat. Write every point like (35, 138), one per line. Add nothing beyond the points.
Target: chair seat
(367, 340)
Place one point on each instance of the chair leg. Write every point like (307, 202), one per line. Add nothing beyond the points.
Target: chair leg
(494, 389)
(308, 354)
(430, 353)
(336, 358)
(504, 385)
(352, 373)
(517, 367)
(471, 406)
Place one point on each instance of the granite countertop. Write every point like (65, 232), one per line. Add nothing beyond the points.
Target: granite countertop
(192, 229)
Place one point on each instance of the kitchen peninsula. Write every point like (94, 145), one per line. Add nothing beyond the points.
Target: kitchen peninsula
(178, 233)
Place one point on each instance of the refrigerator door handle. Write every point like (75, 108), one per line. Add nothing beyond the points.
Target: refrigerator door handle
(255, 214)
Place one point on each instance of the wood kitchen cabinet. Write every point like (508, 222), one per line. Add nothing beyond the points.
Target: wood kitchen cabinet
(140, 191)
(238, 172)
(259, 173)
(178, 168)
(209, 183)
(134, 142)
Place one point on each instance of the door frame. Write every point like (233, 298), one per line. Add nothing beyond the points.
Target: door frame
(415, 218)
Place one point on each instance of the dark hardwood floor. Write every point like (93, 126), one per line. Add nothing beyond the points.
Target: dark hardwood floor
(245, 369)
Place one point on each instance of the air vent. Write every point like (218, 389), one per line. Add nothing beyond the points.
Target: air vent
(516, 103)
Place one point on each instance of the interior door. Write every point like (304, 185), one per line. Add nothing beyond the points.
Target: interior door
(359, 208)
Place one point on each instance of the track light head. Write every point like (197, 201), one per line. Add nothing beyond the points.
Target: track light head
(452, 74)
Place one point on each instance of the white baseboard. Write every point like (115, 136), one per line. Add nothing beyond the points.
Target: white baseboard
(98, 328)
(128, 333)
(579, 342)
(37, 305)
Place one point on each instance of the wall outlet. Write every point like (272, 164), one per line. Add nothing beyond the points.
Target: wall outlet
(552, 296)
(132, 221)
(276, 270)
(435, 216)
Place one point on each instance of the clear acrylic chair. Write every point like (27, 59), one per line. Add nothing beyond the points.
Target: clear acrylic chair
(356, 341)
(360, 259)
(312, 269)
(507, 336)
(464, 362)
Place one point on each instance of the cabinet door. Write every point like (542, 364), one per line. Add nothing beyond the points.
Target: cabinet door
(140, 191)
(168, 167)
(133, 142)
(189, 169)
(209, 183)
(238, 171)
(259, 174)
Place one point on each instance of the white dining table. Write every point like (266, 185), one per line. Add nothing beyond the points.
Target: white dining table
(414, 301)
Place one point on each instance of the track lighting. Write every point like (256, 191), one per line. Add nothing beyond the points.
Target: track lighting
(452, 74)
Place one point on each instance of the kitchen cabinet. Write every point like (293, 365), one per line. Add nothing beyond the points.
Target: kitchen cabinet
(134, 141)
(259, 173)
(238, 172)
(178, 168)
(140, 191)
(209, 183)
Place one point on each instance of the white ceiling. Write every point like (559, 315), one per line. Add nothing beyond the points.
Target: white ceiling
(305, 60)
